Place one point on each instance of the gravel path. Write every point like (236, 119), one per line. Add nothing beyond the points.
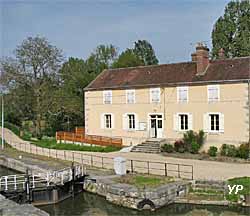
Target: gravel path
(209, 170)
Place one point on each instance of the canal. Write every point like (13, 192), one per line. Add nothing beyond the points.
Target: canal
(86, 204)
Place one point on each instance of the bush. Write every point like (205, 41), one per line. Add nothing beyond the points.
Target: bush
(212, 151)
(232, 151)
(167, 148)
(179, 146)
(223, 150)
(243, 151)
(194, 147)
(188, 138)
(15, 129)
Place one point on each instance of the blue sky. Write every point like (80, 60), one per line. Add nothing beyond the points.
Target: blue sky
(78, 26)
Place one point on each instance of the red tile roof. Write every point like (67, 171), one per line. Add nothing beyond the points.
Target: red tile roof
(227, 70)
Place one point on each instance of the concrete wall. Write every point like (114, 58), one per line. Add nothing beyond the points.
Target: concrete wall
(232, 103)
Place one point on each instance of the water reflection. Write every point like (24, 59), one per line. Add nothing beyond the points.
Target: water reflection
(86, 204)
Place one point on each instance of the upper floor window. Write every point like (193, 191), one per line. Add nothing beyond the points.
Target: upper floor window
(107, 97)
(213, 92)
(155, 95)
(130, 96)
(182, 94)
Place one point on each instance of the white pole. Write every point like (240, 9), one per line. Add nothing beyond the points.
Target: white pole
(2, 124)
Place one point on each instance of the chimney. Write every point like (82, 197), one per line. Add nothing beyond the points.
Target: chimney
(202, 58)
(194, 58)
(221, 53)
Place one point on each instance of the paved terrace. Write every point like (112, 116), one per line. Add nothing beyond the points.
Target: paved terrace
(208, 170)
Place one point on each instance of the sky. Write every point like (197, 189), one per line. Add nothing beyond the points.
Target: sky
(173, 27)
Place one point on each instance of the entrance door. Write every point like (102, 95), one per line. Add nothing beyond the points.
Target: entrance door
(156, 129)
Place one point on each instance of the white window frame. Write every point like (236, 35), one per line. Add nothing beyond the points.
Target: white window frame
(103, 121)
(209, 88)
(125, 119)
(152, 90)
(109, 92)
(129, 91)
(179, 89)
(177, 122)
(207, 123)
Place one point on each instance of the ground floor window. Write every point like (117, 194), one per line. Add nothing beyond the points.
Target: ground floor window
(131, 121)
(183, 119)
(108, 120)
(214, 122)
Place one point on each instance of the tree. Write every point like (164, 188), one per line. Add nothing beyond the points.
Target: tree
(144, 50)
(127, 59)
(33, 76)
(232, 30)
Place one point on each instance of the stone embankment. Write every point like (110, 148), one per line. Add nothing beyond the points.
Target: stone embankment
(136, 198)
(8, 207)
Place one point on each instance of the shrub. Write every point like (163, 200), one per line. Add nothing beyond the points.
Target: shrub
(223, 150)
(179, 146)
(200, 137)
(212, 151)
(194, 147)
(243, 151)
(232, 151)
(167, 148)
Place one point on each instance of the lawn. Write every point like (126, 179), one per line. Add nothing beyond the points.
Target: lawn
(245, 181)
(141, 181)
(52, 144)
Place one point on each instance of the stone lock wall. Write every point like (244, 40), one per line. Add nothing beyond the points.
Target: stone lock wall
(131, 197)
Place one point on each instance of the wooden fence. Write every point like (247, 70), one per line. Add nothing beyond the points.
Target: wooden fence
(80, 137)
(184, 171)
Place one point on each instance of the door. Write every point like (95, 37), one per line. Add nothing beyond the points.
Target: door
(156, 127)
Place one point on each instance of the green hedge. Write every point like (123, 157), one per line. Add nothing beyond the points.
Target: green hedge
(15, 129)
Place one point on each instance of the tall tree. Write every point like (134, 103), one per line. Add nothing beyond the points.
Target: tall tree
(127, 59)
(144, 50)
(35, 74)
(232, 30)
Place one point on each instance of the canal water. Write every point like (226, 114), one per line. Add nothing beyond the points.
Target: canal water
(86, 204)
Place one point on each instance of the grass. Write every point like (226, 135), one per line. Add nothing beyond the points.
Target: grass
(141, 181)
(245, 181)
(52, 144)
(205, 194)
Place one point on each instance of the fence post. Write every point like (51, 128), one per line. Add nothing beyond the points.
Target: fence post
(36, 149)
(56, 153)
(179, 175)
(73, 156)
(81, 158)
(166, 170)
(148, 167)
(30, 148)
(49, 152)
(102, 162)
(192, 173)
(64, 152)
(131, 165)
(91, 158)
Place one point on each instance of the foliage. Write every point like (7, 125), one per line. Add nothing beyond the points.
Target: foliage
(232, 30)
(194, 147)
(144, 50)
(179, 146)
(245, 182)
(127, 59)
(193, 140)
(167, 148)
(212, 151)
(243, 151)
(52, 144)
(15, 129)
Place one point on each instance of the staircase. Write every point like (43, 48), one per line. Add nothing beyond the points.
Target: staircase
(149, 146)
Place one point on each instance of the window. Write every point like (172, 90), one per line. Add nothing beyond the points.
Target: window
(183, 122)
(214, 122)
(107, 121)
(130, 96)
(155, 95)
(107, 97)
(131, 121)
(182, 94)
(183, 118)
(213, 93)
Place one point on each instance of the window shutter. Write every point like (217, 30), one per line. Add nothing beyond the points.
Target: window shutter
(221, 127)
(136, 122)
(102, 121)
(206, 122)
(176, 122)
(125, 121)
(112, 121)
(190, 121)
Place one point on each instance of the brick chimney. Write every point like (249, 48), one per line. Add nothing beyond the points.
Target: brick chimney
(221, 53)
(201, 57)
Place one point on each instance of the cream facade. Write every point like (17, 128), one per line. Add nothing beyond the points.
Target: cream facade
(135, 115)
